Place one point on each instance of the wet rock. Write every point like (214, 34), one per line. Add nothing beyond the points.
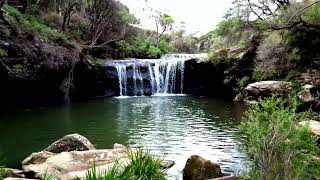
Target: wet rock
(72, 142)
(198, 168)
(267, 88)
(238, 98)
(167, 164)
(119, 146)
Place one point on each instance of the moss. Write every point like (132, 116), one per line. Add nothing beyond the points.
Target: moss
(31, 24)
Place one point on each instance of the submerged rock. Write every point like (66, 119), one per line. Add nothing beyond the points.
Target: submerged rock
(198, 168)
(71, 142)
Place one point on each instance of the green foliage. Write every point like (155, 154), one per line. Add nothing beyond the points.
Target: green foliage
(261, 74)
(219, 57)
(3, 53)
(48, 176)
(3, 171)
(114, 173)
(30, 23)
(304, 41)
(142, 165)
(278, 146)
(20, 70)
(292, 75)
(244, 82)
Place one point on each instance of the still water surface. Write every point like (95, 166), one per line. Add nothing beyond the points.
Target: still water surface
(173, 127)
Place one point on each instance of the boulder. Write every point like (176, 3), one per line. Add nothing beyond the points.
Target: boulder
(267, 88)
(69, 165)
(310, 97)
(71, 142)
(198, 168)
(167, 164)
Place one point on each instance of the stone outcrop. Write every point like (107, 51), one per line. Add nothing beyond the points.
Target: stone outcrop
(310, 96)
(267, 88)
(69, 165)
(198, 168)
(71, 157)
(72, 142)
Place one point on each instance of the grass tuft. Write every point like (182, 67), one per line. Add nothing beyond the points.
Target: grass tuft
(142, 166)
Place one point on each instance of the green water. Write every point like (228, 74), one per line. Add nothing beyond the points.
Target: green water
(174, 127)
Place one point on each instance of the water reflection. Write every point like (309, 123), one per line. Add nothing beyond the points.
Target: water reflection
(178, 127)
(172, 127)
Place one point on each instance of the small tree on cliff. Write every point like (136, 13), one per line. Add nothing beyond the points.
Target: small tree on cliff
(164, 23)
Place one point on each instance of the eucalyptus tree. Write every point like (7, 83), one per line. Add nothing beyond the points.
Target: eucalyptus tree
(273, 14)
(164, 23)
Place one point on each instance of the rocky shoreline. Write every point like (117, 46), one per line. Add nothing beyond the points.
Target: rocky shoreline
(73, 156)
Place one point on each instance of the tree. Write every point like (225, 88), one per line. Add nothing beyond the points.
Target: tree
(108, 20)
(67, 8)
(272, 14)
(164, 23)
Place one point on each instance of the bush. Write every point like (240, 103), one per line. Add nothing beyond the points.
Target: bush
(3, 53)
(261, 73)
(30, 23)
(142, 166)
(278, 147)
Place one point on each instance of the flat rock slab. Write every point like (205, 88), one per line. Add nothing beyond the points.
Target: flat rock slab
(68, 165)
(267, 88)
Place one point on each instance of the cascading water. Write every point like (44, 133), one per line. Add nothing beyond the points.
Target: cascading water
(139, 77)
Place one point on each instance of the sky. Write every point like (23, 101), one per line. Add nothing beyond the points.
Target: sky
(199, 16)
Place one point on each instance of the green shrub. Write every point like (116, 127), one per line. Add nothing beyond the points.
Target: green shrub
(261, 74)
(20, 70)
(3, 53)
(243, 82)
(3, 171)
(30, 23)
(277, 146)
(142, 166)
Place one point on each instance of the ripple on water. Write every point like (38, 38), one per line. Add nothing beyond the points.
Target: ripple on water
(171, 127)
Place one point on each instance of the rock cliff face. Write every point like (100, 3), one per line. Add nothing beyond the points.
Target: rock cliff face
(36, 72)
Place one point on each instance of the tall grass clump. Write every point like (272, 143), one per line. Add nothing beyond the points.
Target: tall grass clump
(141, 166)
(278, 147)
(144, 166)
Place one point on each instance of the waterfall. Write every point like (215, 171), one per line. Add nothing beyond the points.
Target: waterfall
(162, 76)
(121, 69)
